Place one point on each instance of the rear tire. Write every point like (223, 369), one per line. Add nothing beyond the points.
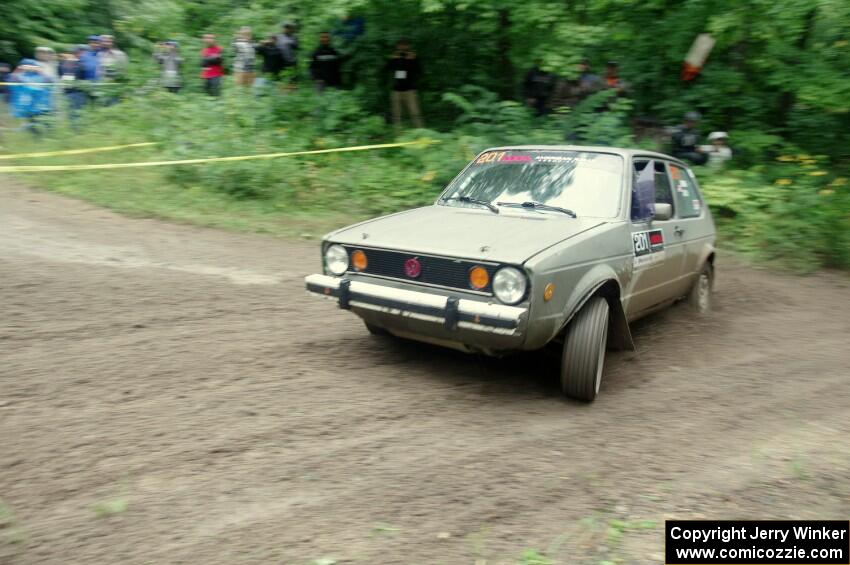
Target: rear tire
(584, 351)
(699, 298)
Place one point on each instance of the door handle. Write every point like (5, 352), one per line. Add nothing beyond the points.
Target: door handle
(679, 231)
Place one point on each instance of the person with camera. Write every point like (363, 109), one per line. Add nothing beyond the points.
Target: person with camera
(405, 70)
(168, 57)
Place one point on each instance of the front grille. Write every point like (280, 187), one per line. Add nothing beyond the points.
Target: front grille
(440, 271)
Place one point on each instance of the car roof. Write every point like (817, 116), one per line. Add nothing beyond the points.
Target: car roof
(621, 151)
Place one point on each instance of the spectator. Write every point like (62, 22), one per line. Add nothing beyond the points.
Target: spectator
(212, 68)
(272, 60)
(685, 138)
(588, 82)
(350, 28)
(5, 92)
(612, 77)
(88, 59)
(112, 62)
(537, 87)
(405, 70)
(70, 72)
(30, 100)
(168, 57)
(244, 58)
(287, 46)
(5, 75)
(324, 65)
(718, 152)
(46, 58)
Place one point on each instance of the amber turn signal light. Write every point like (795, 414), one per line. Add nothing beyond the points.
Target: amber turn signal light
(479, 278)
(548, 291)
(359, 260)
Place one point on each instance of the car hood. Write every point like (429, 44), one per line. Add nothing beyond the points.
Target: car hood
(512, 236)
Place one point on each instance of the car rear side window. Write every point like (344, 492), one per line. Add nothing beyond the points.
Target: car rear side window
(687, 198)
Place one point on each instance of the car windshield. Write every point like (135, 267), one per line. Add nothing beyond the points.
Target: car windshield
(584, 182)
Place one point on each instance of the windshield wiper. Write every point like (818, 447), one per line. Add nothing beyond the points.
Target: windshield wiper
(470, 200)
(539, 206)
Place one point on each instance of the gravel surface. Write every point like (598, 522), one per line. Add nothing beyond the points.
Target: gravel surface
(170, 394)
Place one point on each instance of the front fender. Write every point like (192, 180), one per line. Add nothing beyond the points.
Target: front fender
(602, 280)
(550, 319)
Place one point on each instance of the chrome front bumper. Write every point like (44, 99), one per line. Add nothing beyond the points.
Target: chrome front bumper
(451, 312)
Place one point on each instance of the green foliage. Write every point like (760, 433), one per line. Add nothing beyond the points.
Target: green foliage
(792, 212)
(601, 119)
(776, 80)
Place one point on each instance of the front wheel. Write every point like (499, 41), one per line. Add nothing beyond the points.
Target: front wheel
(699, 297)
(584, 351)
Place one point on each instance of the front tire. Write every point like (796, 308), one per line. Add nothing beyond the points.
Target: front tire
(699, 298)
(584, 351)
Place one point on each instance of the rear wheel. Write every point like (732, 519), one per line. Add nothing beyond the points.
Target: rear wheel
(584, 351)
(699, 297)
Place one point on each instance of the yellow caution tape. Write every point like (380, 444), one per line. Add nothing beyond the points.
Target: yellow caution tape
(45, 168)
(76, 151)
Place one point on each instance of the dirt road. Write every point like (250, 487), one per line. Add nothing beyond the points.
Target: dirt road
(170, 394)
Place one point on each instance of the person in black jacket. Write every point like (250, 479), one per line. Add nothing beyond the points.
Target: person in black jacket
(272, 59)
(537, 87)
(405, 70)
(685, 138)
(325, 64)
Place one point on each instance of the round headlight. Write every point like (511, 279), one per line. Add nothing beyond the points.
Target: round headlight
(336, 259)
(509, 285)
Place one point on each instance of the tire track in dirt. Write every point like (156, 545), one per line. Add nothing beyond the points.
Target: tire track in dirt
(242, 421)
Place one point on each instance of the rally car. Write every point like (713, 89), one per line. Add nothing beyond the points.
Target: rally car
(531, 245)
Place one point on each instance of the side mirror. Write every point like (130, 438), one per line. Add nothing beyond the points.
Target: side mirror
(663, 211)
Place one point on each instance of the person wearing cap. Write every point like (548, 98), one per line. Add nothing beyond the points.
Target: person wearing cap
(685, 137)
(89, 61)
(718, 152)
(169, 60)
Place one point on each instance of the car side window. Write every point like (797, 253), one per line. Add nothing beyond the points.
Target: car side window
(663, 190)
(687, 197)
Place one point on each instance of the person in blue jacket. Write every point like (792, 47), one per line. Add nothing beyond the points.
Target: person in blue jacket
(89, 63)
(31, 95)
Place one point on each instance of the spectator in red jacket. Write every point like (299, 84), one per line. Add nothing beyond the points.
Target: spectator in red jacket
(212, 67)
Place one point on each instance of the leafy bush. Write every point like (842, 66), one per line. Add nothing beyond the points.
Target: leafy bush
(792, 212)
